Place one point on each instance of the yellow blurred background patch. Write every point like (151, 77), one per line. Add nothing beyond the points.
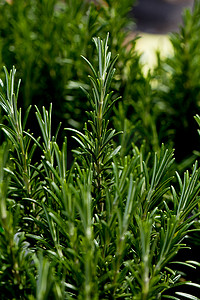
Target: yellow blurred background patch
(148, 44)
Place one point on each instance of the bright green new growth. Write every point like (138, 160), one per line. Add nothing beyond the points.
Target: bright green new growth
(96, 145)
(107, 228)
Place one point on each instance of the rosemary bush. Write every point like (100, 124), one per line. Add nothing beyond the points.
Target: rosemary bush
(43, 40)
(109, 226)
(179, 89)
(159, 107)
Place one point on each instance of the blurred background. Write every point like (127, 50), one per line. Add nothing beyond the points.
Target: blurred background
(159, 16)
(44, 40)
(155, 19)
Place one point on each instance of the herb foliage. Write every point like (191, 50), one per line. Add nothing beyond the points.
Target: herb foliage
(109, 226)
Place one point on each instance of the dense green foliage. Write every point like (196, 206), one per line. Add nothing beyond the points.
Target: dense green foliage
(44, 41)
(106, 228)
(114, 222)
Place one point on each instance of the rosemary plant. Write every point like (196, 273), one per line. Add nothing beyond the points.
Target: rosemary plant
(96, 142)
(108, 227)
